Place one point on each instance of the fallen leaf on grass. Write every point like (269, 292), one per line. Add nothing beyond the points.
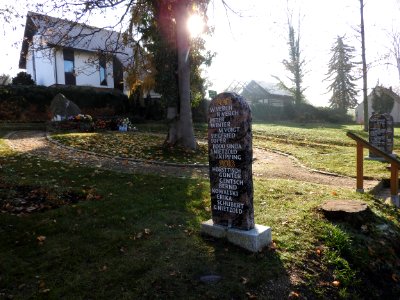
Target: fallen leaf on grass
(174, 273)
(395, 277)
(42, 284)
(244, 280)
(293, 295)
(103, 268)
(272, 246)
(188, 232)
(41, 239)
(251, 296)
(42, 287)
(336, 283)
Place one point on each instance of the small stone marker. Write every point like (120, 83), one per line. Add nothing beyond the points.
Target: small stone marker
(230, 161)
(381, 134)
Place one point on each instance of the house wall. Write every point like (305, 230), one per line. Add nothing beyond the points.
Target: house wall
(87, 70)
(40, 65)
(47, 67)
(44, 67)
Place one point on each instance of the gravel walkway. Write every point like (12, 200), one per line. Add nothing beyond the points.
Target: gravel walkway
(266, 164)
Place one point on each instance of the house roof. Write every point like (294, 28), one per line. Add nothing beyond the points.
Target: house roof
(258, 90)
(67, 34)
(273, 88)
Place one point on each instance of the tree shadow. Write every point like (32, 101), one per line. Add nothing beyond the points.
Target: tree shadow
(140, 240)
(374, 250)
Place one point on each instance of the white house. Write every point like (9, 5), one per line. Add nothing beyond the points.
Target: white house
(395, 113)
(60, 52)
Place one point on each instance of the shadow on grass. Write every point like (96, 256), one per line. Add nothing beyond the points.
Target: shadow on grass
(371, 247)
(141, 239)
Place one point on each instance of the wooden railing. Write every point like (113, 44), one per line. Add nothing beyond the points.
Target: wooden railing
(394, 166)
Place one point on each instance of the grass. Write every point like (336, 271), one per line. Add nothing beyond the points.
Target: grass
(138, 237)
(320, 146)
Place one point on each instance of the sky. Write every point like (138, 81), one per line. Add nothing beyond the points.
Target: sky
(253, 45)
(251, 42)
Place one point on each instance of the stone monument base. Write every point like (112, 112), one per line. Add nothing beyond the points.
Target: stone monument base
(379, 158)
(253, 240)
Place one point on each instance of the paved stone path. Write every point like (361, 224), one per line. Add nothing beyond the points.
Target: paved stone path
(266, 164)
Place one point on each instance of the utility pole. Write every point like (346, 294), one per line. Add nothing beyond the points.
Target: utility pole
(364, 64)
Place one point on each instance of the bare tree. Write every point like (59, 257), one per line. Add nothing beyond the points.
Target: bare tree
(5, 79)
(294, 65)
(392, 57)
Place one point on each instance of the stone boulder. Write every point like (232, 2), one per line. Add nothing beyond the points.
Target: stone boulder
(61, 108)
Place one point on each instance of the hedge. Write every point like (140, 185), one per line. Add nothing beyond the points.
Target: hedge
(303, 113)
(31, 103)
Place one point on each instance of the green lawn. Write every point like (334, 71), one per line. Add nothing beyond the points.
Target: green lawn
(320, 146)
(138, 237)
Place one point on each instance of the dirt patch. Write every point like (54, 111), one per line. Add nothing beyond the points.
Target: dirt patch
(24, 199)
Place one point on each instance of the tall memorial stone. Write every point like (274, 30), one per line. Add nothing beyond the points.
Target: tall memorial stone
(230, 157)
(231, 184)
(381, 134)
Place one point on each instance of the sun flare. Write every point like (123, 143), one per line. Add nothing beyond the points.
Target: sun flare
(195, 25)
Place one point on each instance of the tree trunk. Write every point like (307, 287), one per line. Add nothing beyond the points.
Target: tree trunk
(181, 128)
(398, 65)
(364, 63)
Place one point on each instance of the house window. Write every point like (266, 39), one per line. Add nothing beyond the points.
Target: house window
(102, 68)
(69, 67)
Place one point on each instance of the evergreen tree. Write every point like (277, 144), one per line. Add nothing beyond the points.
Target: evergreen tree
(342, 84)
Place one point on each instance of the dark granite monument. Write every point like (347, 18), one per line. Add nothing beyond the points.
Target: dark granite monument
(230, 158)
(231, 183)
(381, 133)
(61, 108)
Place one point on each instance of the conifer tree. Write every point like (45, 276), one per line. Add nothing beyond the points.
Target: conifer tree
(342, 84)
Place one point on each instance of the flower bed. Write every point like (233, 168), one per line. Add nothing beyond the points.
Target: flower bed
(85, 123)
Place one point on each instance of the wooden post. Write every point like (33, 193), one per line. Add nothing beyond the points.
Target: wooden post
(394, 184)
(360, 168)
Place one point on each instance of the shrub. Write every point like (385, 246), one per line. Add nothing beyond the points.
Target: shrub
(23, 78)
